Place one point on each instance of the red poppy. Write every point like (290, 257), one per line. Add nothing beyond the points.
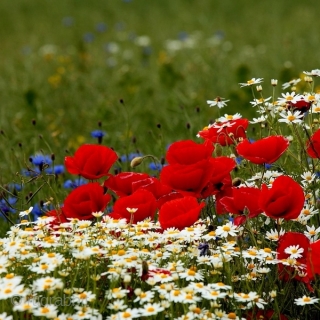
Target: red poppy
(168, 197)
(226, 133)
(153, 185)
(266, 150)
(142, 200)
(302, 105)
(188, 152)
(180, 213)
(264, 315)
(222, 167)
(313, 145)
(285, 199)
(313, 263)
(188, 179)
(288, 272)
(59, 216)
(91, 161)
(122, 183)
(243, 199)
(85, 200)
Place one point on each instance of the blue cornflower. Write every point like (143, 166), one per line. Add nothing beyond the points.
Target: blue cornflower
(132, 155)
(67, 21)
(57, 169)
(72, 184)
(99, 134)
(5, 205)
(40, 159)
(88, 37)
(101, 27)
(268, 166)
(36, 212)
(32, 172)
(238, 160)
(155, 166)
(14, 187)
(183, 35)
(204, 249)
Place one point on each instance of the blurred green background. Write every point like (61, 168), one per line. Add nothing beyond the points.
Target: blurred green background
(66, 65)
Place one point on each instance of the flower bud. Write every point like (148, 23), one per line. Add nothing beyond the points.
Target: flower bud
(136, 162)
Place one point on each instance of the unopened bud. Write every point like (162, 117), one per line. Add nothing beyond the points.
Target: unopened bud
(274, 82)
(136, 162)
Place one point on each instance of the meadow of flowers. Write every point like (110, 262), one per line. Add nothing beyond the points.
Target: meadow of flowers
(227, 227)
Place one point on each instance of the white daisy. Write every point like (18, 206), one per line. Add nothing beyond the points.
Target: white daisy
(289, 117)
(251, 82)
(218, 101)
(306, 300)
(291, 83)
(315, 72)
(294, 251)
(226, 230)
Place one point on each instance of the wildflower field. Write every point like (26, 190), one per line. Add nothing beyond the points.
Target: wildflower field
(159, 161)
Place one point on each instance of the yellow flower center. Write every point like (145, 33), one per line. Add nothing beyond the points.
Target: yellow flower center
(126, 315)
(226, 228)
(291, 118)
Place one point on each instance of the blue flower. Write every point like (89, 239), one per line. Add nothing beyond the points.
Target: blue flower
(268, 166)
(67, 21)
(132, 155)
(40, 159)
(88, 37)
(101, 27)
(155, 166)
(32, 172)
(97, 133)
(183, 35)
(14, 187)
(238, 160)
(58, 169)
(72, 184)
(6, 204)
(204, 249)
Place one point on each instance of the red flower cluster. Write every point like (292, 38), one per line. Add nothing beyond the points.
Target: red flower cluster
(196, 173)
